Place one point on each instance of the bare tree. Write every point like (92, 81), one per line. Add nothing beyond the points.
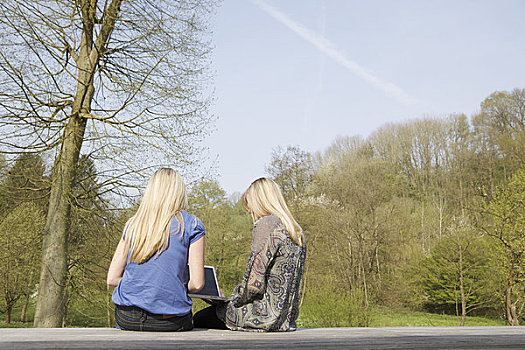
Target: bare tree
(292, 169)
(119, 78)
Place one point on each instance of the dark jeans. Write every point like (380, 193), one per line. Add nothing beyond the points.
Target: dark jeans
(132, 318)
(207, 318)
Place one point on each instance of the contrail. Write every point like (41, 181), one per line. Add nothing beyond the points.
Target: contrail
(325, 46)
(322, 32)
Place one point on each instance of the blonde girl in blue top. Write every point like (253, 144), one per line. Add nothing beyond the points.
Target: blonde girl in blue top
(148, 265)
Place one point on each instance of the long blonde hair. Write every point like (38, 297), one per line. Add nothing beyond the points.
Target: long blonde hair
(264, 197)
(148, 230)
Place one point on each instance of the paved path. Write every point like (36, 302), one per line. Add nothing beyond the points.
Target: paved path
(312, 338)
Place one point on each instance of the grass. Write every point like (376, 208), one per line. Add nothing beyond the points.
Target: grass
(348, 310)
(334, 316)
(16, 324)
(381, 316)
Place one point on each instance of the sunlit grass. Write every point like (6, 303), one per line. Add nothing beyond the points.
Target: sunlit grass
(331, 314)
(388, 317)
(16, 324)
(339, 311)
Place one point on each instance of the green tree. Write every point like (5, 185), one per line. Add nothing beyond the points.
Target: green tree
(499, 138)
(25, 181)
(3, 194)
(90, 245)
(455, 277)
(205, 196)
(20, 241)
(228, 231)
(506, 225)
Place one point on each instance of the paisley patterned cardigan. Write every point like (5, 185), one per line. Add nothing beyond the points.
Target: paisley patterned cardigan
(268, 297)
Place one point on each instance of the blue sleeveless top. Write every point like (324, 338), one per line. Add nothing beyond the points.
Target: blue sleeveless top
(157, 285)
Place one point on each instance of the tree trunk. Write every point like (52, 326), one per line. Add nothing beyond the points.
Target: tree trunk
(26, 297)
(365, 288)
(510, 309)
(461, 199)
(462, 287)
(456, 300)
(50, 303)
(8, 310)
(108, 307)
(24, 308)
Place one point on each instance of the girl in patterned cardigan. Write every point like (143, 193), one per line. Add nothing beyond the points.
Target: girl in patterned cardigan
(267, 299)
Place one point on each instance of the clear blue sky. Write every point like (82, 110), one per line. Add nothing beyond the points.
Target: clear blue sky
(302, 72)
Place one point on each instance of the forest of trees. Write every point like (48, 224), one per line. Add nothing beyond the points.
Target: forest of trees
(428, 214)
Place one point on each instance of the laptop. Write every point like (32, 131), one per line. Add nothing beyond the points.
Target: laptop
(211, 290)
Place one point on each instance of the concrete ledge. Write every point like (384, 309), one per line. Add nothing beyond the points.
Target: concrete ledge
(313, 338)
